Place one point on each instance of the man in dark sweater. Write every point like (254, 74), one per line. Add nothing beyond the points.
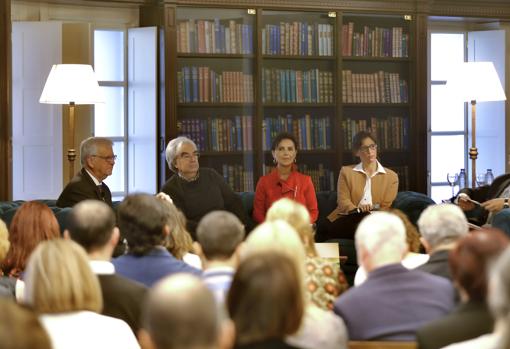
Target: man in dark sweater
(92, 225)
(197, 191)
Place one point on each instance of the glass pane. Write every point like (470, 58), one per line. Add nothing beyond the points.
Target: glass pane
(109, 55)
(116, 181)
(443, 192)
(109, 116)
(446, 50)
(445, 114)
(447, 156)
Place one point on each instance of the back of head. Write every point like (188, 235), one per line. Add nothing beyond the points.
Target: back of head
(89, 146)
(220, 233)
(59, 279)
(442, 224)
(265, 300)
(141, 219)
(90, 223)
(180, 313)
(470, 258)
(298, 217)
(412, 235)
(382, 236)
(4, 240)
(33, 222)
(276, 236)
(21, 328)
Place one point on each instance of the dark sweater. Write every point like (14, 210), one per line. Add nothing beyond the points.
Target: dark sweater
(208, 193)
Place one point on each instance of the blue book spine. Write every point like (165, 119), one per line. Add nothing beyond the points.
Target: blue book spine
(194, 82)
(217, 38)
(239, 133)
(293, 93)
(187, 85)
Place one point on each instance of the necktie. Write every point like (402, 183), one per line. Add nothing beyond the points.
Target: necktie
(101, 191)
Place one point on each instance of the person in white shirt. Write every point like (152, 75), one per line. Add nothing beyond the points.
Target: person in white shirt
(62, 288)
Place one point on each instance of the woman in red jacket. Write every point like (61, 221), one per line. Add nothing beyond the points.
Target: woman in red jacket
(284, 181)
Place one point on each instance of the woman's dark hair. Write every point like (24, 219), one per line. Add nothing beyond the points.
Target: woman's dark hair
(265, 300)
(358, 138)
(280, 137)
(470, 258)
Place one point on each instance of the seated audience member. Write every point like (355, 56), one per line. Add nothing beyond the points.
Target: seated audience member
(324, 279)
(97, 160)
(197, 191)
(362, 187)
(91, 224)
(265, 301)
(494, 207)
(33, 222)
(284, 181)
(499, 305)
(412, 259)
(62, 288)
(219, 236)
(469, 263)
(143, 221)
(393, 302)
(180, 313)
(179, 242)
(20, 328)
(7, 284)
(441, 226)
(319, 328)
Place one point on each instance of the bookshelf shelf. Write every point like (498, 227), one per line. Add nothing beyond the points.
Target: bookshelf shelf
(375, 59)
(299, 105)
(214, 56)
(298, 57)
(216, 105)
(378, 105)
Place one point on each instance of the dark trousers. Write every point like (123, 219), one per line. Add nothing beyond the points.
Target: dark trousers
(343, 228)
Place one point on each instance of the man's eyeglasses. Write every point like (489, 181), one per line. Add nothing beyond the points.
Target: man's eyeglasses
(367, 148)
(106, 158)
(188, 156)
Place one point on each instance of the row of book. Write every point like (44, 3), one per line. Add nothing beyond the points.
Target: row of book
(379, 87)
(214, 36)
(323, 179)
(297, 86)
(204, 85)
(298, 38)
(239, 177)
(392, 132)
(374, 42)
(311, 132)
(220, 133)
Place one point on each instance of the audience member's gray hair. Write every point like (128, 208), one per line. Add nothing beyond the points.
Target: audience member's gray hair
(180, 312)
(219, 233)
(441, 224)
(383, 235)
(172, 150)
(88, 147)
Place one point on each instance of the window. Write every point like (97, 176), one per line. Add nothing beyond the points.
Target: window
(110, 117)
(448, 121)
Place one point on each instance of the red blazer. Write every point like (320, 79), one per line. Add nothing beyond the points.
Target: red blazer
(270, 188)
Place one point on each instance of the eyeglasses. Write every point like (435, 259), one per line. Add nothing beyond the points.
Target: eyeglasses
(367, 148)
(106, 158)
(188, 156)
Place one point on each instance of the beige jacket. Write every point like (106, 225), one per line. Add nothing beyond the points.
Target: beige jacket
(352, 183)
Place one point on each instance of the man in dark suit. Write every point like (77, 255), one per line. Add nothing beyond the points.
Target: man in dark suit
(92, 225)
(494, 207)
(441, 226)
(97, 160)
(393, 302)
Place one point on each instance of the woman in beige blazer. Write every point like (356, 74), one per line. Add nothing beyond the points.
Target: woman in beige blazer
(362, 188)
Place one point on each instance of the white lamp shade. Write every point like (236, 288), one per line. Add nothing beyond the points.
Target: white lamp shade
(72, 83)
(475, 81)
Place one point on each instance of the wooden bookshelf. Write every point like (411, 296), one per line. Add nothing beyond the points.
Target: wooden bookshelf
(296, 61)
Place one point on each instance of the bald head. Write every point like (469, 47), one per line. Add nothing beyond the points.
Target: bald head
(180, 312)
(91, 224)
